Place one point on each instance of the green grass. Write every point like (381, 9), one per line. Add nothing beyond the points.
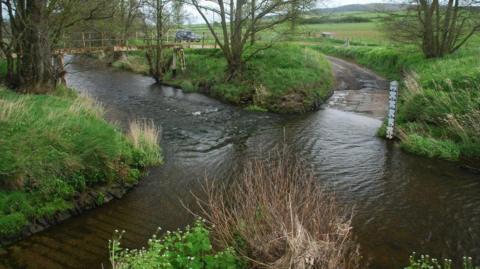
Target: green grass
(285, 78)
(135, 62)
(54, 146)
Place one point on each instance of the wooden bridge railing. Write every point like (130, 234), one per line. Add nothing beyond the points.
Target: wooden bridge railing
(88, 41)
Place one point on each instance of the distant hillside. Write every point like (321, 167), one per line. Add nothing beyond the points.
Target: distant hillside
(360, 8)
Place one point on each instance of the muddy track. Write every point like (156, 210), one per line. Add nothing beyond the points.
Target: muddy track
(358, 89)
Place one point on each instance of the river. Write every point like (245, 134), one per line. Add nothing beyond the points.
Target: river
(402, 203)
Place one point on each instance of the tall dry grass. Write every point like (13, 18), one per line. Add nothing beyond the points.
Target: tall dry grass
(275, 215)
(84, 103)
(9, 109)
(145, 137)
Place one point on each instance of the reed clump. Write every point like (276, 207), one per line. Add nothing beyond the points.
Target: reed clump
(275, 215)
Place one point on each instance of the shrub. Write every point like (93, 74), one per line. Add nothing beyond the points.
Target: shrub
(178, 250)
(275, 215)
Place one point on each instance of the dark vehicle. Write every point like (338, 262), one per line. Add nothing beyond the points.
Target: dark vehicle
(186, 35)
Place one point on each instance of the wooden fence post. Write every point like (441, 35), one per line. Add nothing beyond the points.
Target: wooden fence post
(83, 39)
(203, 40)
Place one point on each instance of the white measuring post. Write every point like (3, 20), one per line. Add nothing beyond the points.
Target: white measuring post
(392, 108)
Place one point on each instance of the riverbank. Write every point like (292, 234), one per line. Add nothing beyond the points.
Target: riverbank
(282, 79)
(60, 157)
(439, 106)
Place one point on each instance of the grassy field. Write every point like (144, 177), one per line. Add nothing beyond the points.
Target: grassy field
(54, 147)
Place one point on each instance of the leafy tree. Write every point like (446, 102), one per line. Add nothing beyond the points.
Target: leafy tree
(32, 31)
(438, 27)
(240, 20)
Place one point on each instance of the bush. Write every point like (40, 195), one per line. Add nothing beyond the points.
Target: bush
(275, 215)
(178, 250)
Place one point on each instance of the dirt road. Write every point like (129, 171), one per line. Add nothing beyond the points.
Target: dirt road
(358, 89)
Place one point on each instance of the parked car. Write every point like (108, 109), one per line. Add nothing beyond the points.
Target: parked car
(186, 35)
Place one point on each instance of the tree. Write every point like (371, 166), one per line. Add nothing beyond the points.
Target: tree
(240, 20)
(439, 27)
(159, 15)
(34, 27)
(178, 13)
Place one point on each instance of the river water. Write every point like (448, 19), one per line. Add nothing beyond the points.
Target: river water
(402, 203)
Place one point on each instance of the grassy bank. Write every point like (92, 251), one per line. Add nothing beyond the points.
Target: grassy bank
(54, 147)
(285, 78)
(439, 108)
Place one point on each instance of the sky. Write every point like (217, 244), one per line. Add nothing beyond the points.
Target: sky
(194, 17)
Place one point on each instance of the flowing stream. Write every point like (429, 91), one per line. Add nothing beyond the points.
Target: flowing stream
(403, 203)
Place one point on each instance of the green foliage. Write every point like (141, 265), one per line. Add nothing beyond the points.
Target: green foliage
(134, 63)
(100, 199)
(12, 223)
(345, 19)
(431, 147)
(427, 262)
(178, 250)
(54, 146)
(187, 86)
(254, 108)
(144, 136)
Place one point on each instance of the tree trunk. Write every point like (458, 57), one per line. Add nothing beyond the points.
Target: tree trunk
(35, 70)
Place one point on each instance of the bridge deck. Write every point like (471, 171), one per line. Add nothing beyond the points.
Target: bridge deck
(83, 50)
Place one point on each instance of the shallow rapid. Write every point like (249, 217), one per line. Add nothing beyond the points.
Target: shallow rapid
(402, 203)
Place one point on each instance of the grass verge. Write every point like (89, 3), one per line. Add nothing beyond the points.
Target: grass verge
(57, 146)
